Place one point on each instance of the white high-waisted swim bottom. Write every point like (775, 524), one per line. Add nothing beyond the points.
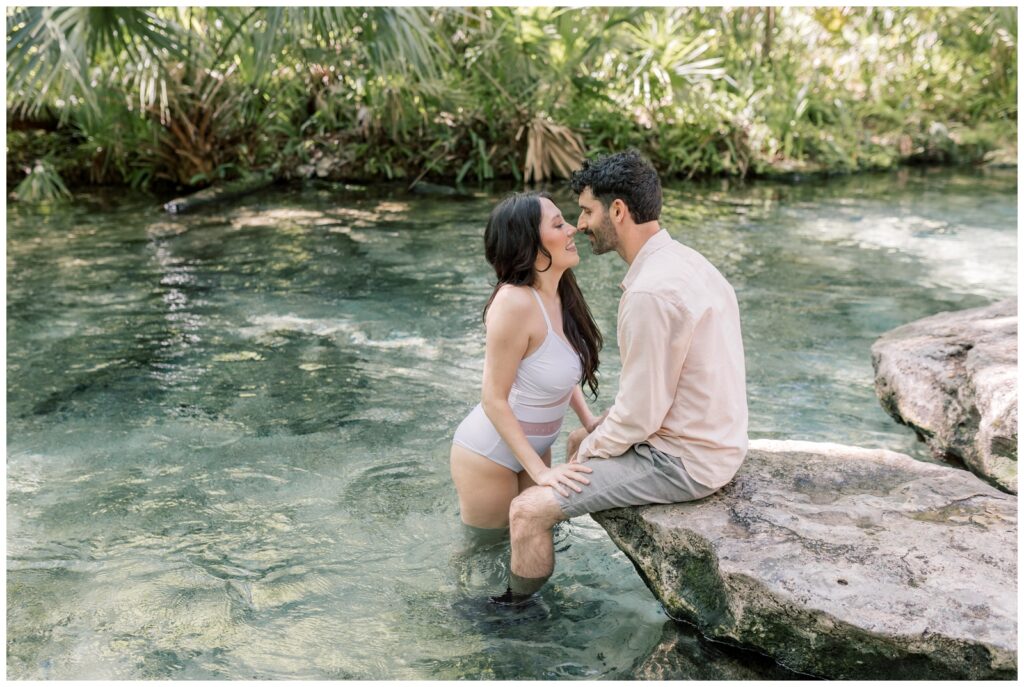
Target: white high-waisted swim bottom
(478, 434)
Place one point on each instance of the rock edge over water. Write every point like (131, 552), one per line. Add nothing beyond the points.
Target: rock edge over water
(953, 378)
(841, 562)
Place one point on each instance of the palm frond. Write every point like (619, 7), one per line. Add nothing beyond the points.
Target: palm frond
(552, 149)
(50, 50)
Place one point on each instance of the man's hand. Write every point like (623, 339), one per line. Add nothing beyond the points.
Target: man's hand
(576, 438)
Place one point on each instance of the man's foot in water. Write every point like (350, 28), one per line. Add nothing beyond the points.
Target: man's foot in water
(510, 598)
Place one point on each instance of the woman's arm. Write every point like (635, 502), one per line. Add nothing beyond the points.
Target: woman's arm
(507, 342)
(579, 405)
(587, 419)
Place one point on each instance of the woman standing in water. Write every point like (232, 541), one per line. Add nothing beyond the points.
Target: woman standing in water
(541, 344)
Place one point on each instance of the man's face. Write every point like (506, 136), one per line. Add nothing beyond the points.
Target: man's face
(596, 224)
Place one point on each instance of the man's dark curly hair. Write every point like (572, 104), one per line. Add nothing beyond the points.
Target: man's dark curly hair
(626, 176)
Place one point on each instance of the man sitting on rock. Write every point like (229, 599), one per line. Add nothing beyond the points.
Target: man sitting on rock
(677, 430)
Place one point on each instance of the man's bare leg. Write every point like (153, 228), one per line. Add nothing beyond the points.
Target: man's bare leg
(532, 516)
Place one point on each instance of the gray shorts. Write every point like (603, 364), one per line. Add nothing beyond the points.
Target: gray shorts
(640, 476)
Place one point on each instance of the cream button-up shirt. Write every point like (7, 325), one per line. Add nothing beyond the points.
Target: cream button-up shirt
(683, 382)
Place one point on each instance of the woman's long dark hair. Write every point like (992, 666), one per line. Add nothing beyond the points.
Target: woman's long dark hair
(511, 245)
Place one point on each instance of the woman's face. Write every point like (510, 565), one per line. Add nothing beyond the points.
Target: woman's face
(558, 237)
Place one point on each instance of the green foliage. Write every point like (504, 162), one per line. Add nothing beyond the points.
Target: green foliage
(41, 184)
(190, 95)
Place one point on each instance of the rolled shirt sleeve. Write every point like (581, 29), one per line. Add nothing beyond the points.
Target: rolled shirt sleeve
(654, 338)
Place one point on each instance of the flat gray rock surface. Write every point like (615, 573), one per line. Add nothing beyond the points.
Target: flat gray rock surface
(953, 378)
(840, 562)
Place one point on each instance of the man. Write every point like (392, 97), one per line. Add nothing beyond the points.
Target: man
(677, 430)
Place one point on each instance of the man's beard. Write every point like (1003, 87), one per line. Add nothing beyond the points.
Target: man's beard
(604, 239)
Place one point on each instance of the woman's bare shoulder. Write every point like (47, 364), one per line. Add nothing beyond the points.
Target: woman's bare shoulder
(513, 297)
(511, 302)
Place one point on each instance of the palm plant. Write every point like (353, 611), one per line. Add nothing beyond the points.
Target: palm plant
(41, 184)
(50, 51)
(666, 60)
(531, 70)
(190, 94)
(204, 90)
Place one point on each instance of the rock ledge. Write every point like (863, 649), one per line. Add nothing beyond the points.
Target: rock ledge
(953, 378)
(840, 562)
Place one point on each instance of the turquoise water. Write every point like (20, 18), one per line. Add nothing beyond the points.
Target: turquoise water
(228, 432)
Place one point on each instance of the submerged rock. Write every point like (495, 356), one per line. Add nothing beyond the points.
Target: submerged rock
(425, 188)
(219, 193)
(683, 654)
(953, 378)
(840, 562)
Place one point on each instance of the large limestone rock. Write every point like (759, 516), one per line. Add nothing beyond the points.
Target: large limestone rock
(953, 378)
(840, 562)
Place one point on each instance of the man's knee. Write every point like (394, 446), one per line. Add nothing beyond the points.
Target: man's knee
(536, 506)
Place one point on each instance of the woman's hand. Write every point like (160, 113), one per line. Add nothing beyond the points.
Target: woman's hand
(576, 438)
(564, 475)
(595, 421)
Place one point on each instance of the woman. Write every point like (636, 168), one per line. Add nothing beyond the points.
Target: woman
(541, 343)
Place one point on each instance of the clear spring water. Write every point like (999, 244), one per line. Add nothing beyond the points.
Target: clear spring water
(228, 432)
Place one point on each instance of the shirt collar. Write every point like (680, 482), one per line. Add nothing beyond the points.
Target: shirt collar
(652, 245)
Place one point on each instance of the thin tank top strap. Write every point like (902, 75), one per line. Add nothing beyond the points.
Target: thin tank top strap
(543, 310)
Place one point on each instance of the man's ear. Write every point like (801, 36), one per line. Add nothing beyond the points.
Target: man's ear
(619, 211)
